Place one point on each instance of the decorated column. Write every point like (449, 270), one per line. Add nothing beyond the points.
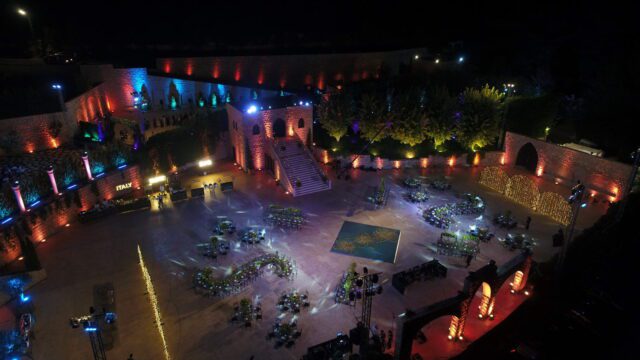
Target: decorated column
(52, 178)
(16, 191)
(87, 167)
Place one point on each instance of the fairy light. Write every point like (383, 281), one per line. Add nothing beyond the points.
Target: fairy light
(154, 303)
(555, 206)
(522, 190)
(494, 178)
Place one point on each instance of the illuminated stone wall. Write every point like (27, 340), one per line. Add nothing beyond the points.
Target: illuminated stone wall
(599, 175)
(289, 71)
(241, 127)
(58, 214)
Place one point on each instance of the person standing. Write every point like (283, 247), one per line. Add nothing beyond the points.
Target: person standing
(528, 223)
(130, 357)
(469, 258)
(390, 339)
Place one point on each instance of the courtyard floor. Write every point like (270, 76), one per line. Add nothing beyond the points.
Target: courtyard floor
(198, 327)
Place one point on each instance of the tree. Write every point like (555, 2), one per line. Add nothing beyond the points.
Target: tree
(409, 119)
(372, 116)
(9, 141)
(481, 113)
(336, 114)
(440, 110)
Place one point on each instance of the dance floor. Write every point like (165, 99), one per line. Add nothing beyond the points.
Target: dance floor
(367, 241)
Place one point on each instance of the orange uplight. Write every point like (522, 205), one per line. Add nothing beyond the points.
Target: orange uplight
(108, 103)
(453, 327)
(452, 160)
(54, 143)
(516, 285)
(30, 148)
(189, 69)
(396, 164)
(503, 159)
(476, 159)
(379, 163)
(424, 162)
(325, 156)
(261, 76)
(356, 162)
(539, 171)
(290, 130)
(237, 74)
(216, 70)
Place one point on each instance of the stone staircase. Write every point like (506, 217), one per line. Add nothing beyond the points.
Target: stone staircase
(299, 165)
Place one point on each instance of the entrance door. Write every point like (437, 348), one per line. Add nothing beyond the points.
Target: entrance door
(528, 157)
(279, 128)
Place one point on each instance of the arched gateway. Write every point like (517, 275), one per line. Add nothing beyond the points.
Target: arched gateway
(488, 278)
(527, 157)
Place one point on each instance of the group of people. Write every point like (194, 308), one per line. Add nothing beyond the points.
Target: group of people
(384, 339)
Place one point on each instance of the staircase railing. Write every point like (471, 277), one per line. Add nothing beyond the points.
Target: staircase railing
(283, 176)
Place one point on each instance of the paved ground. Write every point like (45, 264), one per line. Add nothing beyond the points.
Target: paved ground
(197, 327)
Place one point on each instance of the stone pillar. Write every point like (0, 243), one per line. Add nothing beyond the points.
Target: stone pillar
(52, 178)
(16, 191)
(87, 167)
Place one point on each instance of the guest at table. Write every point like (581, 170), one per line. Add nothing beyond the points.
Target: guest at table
(469, 258)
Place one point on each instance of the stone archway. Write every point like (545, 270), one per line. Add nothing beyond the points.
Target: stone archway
(279, 128)
(528, 157)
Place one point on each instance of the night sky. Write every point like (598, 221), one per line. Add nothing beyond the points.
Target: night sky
(499, 27)
(587, 48)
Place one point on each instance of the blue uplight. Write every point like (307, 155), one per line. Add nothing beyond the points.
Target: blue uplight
(72, 187)
(100, 175)
(583, 205)
(6, 220)
(461, 59)
(35, 203)
(24, 298)
(252, 109)
(91, 329)
(122, 167)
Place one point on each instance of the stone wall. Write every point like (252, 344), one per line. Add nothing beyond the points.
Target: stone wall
(289, 71)
(59, 214)
(34, 132)
(241, 126)
(325, 156)
(566, 166)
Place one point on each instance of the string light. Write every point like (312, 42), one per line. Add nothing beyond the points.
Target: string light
(522, 190)
(555, 206)
(154, 303)
(494, 178)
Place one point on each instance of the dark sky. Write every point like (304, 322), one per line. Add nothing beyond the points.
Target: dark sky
(352, 24)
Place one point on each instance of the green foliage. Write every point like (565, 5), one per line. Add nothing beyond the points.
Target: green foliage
(372, 116)
(481, 115)
(6, 206)
(409, 118)
(336, 114)
(441, 109)
(531, 115)
(9, 141)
